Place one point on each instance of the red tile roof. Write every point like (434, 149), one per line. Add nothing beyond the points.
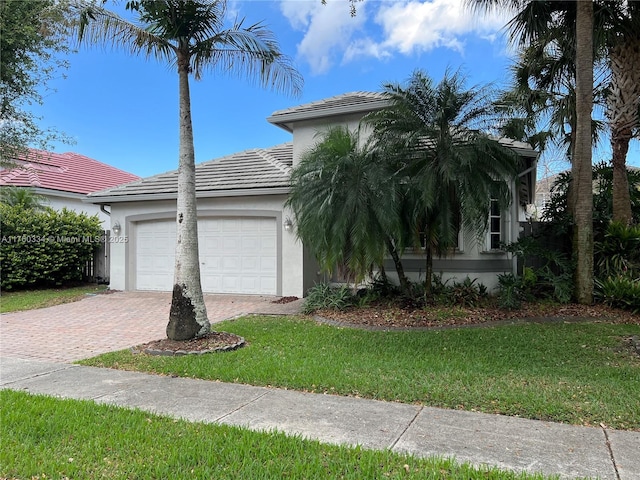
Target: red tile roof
(67, 172)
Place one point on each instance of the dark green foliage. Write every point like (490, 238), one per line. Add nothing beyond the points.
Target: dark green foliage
(548, 275)
(618, 253)
(346, 200)
(23, 197)
(511, 291)
(45, 248)
(617, 266)
(324, 295)
(32, 34)
(466, 293)
(557, 211)
(620, 291)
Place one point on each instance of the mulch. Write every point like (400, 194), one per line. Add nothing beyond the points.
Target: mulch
(385, 317)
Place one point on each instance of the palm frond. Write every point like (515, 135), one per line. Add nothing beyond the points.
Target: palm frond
(96, 25)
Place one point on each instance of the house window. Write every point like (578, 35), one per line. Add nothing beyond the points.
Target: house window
(458, 239)
(496, 229)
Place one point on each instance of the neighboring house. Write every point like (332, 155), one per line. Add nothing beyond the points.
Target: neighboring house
(64, 179)
(247, 243)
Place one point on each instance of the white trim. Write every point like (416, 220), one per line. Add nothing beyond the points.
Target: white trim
(108, 199)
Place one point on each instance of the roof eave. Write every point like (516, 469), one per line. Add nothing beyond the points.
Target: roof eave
(285, 120)
(243, 192)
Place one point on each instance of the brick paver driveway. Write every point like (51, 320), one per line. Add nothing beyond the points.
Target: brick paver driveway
(104, 323)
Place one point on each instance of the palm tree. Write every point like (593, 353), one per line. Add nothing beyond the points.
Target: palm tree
(25, 197)
(616, 33)
(189, 35)
(453, 168)
(561, 26)
(347, 204)
(581, 171)
(623, 100)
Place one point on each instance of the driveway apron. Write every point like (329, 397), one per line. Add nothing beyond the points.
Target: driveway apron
(107, 322)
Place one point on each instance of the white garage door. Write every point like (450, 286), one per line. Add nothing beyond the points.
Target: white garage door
(237, 255)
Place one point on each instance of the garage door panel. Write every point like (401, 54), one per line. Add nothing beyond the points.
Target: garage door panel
(238, 255)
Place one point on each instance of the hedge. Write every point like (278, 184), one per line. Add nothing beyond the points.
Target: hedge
(45, 248)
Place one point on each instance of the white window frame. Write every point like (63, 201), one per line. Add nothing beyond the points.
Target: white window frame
(495, 228)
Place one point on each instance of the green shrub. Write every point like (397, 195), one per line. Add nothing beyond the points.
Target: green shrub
(511, 292)
(323, 295)
(619, 251)
(44, 248)
(551, 278)
(620, 291)
(467, 293)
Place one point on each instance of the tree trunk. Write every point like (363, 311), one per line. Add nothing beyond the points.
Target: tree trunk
(581, 169)
(428, 269)
(188, 313)
(404, 282)
(622, 112)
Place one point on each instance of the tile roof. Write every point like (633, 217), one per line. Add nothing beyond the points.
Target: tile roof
(347, 103)
(66, 172)
(248, 170)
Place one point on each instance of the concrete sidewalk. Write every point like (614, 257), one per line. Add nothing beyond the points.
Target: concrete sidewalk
(482, 439)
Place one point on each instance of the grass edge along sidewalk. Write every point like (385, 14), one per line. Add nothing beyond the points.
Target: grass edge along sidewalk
(583, 373)
(44, 437)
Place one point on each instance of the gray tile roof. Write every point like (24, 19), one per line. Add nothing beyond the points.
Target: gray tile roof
(347, 103)
(256, 169)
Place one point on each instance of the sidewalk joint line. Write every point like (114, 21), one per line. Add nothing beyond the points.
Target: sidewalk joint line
(608, 444)
(36, 375)
(395, 442)
(241, 406)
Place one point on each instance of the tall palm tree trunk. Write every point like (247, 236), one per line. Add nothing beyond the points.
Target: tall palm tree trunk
(622, 110)
(581, 162)
(188, 313)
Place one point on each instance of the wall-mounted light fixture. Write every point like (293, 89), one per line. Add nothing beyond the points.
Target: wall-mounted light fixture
(288, 224)
(116, 229)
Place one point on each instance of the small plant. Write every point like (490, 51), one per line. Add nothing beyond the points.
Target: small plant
(621, 292)
(511, 295)
(467, 293)
(323, 295)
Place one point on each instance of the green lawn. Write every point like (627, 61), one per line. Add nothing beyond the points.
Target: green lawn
(579, 373)
(43, 437)
(31, 299)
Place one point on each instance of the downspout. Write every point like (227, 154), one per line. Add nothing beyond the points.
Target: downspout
(103, 210)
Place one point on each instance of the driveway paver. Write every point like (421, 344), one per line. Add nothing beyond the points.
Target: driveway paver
(109, 322)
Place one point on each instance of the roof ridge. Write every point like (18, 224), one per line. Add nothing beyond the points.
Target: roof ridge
(266, 154)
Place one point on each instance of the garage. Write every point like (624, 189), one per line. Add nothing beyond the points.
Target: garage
(237, 255)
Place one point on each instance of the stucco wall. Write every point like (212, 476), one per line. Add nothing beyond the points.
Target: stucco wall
(306, 134)
(75, 203)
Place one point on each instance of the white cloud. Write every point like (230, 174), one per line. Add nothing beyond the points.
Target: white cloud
(329, 29)
(332, 36)
(410, 26)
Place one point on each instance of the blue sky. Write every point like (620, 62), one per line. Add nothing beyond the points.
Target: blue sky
(123, 110)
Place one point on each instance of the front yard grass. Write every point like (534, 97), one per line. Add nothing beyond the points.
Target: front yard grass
(43, 437)
(583, 373)
(31, 299)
